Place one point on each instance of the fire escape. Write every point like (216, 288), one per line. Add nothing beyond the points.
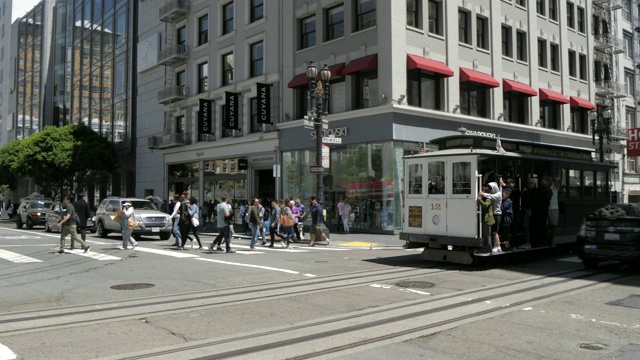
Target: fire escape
(174, 52)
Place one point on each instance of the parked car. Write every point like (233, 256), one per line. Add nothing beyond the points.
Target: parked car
(612, 233)
(151, 221)
(56, 212)
(32, 212)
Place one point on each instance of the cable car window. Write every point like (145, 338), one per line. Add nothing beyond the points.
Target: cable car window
(589, 182)
(574, 183)
(458, 143)
(436, 177)
(601, 184)
(461, 172)
(415, 179)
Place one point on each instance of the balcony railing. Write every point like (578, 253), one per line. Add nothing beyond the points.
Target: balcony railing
(174, 55)
(608, 4)
(166, 141)
(608, 42)
(610, 88)
(173, 93)
(174, 10)
(618, 132)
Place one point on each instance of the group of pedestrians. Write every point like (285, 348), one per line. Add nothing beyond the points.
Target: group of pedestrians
(185, 218)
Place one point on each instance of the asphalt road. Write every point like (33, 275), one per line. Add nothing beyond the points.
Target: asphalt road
(364, 297)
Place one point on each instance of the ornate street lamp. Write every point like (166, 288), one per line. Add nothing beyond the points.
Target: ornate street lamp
(317, 105)
(600, 125)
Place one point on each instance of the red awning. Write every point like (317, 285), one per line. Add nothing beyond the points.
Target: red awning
(364, 63)
(580, 102)
(550, 95)
(510, 85)
(418, 62)
(301, 79)
(468, 75)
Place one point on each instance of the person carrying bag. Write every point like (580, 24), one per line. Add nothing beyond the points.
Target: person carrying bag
(127, 224)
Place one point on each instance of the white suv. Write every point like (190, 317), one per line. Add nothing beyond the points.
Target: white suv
(151, 221)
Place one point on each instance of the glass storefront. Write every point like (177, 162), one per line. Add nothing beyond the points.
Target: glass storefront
(367, 175)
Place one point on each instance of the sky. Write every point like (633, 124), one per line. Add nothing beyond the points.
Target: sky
(21, 7)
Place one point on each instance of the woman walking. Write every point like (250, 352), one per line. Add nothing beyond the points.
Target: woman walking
(274, 223)
(194, 210)
(127, 237)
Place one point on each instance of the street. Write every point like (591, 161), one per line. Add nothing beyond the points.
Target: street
(364, 297)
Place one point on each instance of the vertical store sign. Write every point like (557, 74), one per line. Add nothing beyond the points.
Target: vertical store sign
(231, 118)
(633, 142)
(264, 103)
(204, 117)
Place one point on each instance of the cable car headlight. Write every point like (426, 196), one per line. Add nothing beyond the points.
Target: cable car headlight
(435, 219)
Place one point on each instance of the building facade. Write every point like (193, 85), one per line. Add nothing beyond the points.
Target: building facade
(403, 73)
(73, 64)
(5, 65)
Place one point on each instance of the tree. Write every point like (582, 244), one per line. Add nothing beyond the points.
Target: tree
(56, 158)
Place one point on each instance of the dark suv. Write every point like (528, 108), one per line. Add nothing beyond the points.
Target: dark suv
(33, 212)
(151, 221)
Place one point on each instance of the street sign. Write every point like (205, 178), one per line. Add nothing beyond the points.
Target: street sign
(308, 124)
(316, 169)
(331, 140)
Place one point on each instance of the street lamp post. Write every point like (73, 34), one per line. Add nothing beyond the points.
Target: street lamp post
(600, 125)
(317, 105)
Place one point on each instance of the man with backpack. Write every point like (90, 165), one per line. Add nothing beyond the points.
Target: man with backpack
(185, 220)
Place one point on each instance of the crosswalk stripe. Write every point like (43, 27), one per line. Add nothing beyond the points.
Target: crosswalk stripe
(93, 255)
(17, 258)
(173, 253)
(250, 265)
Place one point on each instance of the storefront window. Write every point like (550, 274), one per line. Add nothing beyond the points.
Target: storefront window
(184, 177)
(367, 176)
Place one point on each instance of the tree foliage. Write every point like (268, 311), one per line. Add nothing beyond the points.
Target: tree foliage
(71, 157)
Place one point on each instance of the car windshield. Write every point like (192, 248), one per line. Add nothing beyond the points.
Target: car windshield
(40, 205)
(142, 205)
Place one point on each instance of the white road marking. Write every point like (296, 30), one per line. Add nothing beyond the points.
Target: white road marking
(251, 266)
(573, 259)
(173, 253)
(16, 258)
(6, 353)
(93, 255)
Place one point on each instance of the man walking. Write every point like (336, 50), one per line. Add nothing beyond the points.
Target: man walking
(84, 213)
(223, 211)
(69, 223)
(317, 218)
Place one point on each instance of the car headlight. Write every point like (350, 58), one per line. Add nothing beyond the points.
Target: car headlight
(139, 218)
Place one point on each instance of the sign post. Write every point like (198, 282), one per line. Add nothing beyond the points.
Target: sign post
(316, 169)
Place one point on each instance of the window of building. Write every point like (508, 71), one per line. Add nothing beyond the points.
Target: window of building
(482, 32)
(551, 115)
(595, 22)
(542, 53)
(257, 59)
(627, 44)
(227, 69)
(515, 108)
(553, 10)
(181, 81)
(365, 13)
(626, 10)
(474, 99)
(581, 19)
(338, 96)
(597, 71)
(366, 90)
(181, 35)
(583, 67)
(540, 8)
(257, 10)
(629, 85)
(507, 49)
(464, 27)
(522, 3)
(424, 90)
(203, 77)
(573, 69)
(630, 118)
(228, 18)
(181, 124)
(555, 57)
(203, 30)
(254, 125)
(307, 32)
(579, 120)
(414, 10)
(435, 17)
(571, 19)
(521, 45)
(335, 23)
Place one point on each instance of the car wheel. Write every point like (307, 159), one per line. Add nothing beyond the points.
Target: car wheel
(19, 223)
(165, 236)
(29, 223)
(590, 263)
(101, 231)
(47, 228)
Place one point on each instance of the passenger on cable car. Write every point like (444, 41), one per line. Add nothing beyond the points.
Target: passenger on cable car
(496, 201)
(527, 198)
(517, 216)
(540, 213)
(487, 216)
(507, 218)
